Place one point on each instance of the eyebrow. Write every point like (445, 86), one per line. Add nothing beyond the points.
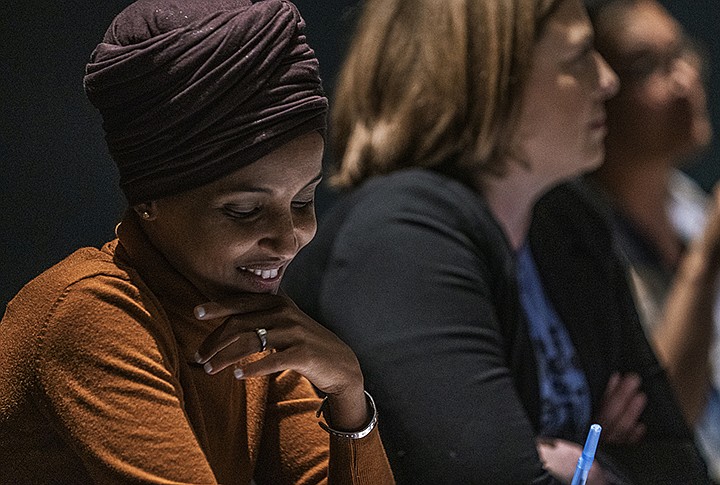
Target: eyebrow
(584, 41)
(644, 49)
(574, 40)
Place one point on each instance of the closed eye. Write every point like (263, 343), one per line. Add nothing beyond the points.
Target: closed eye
(238, 213)
(303, 204)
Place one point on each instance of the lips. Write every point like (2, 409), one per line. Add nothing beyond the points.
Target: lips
(598, 123)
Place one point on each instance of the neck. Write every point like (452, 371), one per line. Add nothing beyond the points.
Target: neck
(511, 199)
(640, 190)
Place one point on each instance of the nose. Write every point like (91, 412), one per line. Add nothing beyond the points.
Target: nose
(279, 236)
(285, 234)
(608, 82)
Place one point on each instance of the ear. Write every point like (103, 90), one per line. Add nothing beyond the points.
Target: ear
(147, 211)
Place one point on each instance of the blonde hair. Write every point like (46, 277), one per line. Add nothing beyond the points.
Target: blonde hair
(433, 83)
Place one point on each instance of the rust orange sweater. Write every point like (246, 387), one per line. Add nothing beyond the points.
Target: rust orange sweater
(98, 384)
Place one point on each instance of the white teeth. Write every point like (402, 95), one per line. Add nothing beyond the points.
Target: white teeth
(263, 273)
(271, 273)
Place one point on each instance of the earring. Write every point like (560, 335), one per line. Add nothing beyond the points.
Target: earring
(145, 215)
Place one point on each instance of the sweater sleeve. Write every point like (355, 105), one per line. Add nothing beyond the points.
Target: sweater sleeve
(106, 383)
(295, 448)
(409, 287)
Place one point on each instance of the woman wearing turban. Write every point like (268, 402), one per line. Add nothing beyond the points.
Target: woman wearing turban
(167, 356)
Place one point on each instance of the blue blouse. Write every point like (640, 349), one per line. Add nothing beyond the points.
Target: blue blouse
(564, 392)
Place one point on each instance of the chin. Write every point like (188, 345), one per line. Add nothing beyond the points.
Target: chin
(594, 163)
(586, 164)
(593, 157)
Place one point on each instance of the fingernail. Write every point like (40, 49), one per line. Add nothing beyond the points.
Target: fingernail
(198, 359)
(200, 312)
(239, 374)
(208, 367)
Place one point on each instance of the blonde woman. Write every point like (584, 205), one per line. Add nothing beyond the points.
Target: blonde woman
(451, 120)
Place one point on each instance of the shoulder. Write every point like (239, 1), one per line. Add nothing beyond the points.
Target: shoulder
(84, 303)
(419, 188)
(688, 205)
(83, 264)
(411, 199)
(90, 272)
(411, 220)
(42, 294)
(413, 214)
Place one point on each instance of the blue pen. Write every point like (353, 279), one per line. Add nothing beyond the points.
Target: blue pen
(588, 455)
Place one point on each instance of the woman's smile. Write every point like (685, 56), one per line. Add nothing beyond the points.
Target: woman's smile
(265, 274)
(225, 253)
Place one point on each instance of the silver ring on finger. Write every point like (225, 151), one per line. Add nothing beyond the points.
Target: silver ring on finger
(262, 335)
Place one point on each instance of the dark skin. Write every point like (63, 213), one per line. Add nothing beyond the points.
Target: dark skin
(233, 239)
(297, 342)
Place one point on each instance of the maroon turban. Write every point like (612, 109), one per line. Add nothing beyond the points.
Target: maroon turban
(191, 90)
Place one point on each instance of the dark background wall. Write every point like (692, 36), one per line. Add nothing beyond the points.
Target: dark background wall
(58, 186)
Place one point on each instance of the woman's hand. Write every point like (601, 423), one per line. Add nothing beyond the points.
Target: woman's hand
(622, 405)
(296, 342)
(560, 457)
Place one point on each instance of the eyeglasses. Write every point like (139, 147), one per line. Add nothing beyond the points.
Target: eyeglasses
(646, 64)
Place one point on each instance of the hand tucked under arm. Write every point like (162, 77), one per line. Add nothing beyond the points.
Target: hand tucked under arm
(622, 404)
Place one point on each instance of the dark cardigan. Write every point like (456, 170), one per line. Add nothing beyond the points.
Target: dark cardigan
(414, 273)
